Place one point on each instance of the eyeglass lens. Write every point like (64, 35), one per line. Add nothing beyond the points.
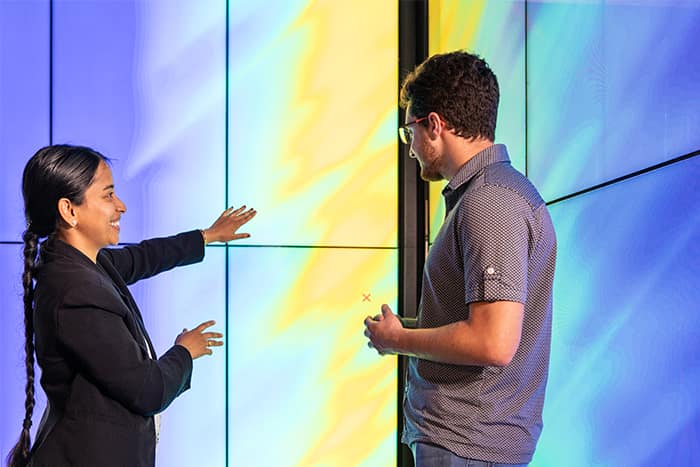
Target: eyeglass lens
(405, 134)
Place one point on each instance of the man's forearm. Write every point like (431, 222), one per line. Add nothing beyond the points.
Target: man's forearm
(490, 336)
(454, 343)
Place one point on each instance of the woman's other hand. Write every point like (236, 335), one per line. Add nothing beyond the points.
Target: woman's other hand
(225, 227)
(197, 342)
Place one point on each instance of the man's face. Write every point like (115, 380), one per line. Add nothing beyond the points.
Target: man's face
(423, 149)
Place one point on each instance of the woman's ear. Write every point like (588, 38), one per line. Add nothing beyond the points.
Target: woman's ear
(66, 212)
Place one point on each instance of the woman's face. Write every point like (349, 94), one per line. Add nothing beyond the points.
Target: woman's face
(98, 215)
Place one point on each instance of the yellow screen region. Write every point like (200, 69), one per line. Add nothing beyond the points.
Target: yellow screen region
(301, 377)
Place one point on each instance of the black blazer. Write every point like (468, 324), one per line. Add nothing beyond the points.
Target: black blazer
(102, 387)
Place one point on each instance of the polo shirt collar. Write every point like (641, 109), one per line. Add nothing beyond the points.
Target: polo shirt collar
(456, 186)
(491, 155)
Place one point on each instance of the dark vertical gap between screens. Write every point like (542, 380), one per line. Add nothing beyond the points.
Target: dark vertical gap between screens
(413, 195)
(50, 72)
(226, 256)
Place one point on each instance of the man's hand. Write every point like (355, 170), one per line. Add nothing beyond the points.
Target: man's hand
(384, 332)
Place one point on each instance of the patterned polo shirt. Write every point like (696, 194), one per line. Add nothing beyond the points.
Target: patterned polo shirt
(497, 242)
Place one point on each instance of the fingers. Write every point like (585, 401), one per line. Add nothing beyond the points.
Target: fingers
(245, 217)
(379, 351)
(225, 227)
(198, 342)
(232, 212)
(249, 213)
(204, 325)
(239, 214)
(212, 335)
(369, 321)
(373, 320)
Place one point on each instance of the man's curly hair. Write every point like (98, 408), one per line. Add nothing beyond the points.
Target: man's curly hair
(460, 87)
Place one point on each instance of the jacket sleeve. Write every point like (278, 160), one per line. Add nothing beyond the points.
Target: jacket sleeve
(90, 326)
(151, 257)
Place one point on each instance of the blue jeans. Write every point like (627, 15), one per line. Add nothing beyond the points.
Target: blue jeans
(430, 455)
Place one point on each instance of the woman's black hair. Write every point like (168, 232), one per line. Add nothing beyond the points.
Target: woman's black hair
(54, 172)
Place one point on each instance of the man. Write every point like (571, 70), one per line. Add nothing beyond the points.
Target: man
(479, 356)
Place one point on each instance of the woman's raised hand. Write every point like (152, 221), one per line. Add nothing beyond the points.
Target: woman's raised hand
(225, 227)
(197, 342)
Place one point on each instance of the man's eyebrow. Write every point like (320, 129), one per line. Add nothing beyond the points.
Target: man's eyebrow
(108, 187)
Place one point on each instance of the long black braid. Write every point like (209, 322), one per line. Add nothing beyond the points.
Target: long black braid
(19, 456)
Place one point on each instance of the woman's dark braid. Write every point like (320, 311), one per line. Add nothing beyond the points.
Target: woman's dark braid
(19, 456)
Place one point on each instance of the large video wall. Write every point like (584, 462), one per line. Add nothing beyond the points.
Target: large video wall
(602, 93)
(279, 105)
(290, 107)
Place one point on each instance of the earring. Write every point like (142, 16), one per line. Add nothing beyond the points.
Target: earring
(73, 222)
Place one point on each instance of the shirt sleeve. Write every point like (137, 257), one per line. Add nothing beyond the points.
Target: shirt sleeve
(495, 231)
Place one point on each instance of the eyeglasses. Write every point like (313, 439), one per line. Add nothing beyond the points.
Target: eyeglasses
(406, 132)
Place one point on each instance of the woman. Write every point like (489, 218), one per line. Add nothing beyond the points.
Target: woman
(103, 383)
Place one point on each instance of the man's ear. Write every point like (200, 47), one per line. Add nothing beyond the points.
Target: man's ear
(436, 125)
(66, 212)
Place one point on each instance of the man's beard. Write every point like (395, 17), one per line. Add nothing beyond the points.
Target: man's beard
(431, 165)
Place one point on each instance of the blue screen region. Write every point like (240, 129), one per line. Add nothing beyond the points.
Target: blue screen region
(184, 297)
(612, 89)
(24, 101)
(624, 374)
(504, 21)
(148, 91)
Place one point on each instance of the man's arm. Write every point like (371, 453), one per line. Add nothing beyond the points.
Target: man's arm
(489, 337)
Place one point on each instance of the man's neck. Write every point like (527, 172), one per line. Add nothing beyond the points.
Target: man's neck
(459, 151)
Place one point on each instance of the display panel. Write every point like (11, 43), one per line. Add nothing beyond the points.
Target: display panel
(624, 375)
(184, 298)
(496, 32)
(24, 101)
(612, 89)
(312, 120)
(301, 375)
(148, 90)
